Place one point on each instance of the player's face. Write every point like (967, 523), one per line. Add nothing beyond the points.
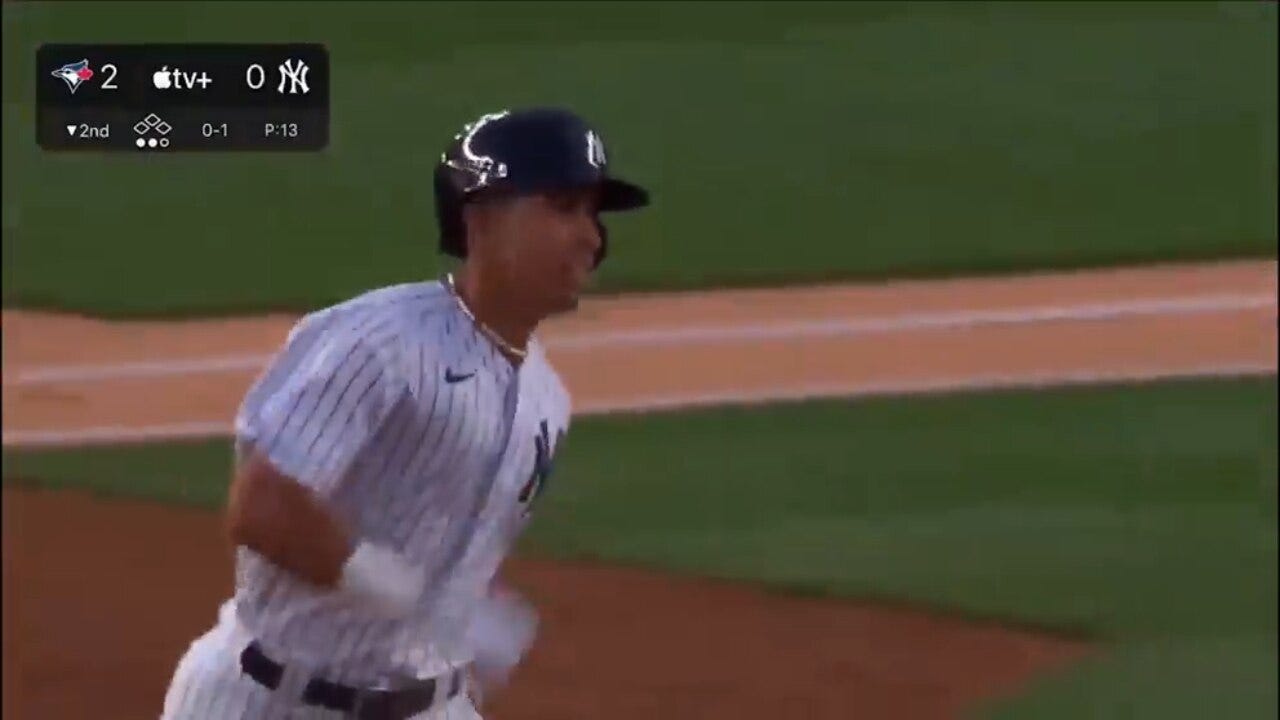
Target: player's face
(552, 240)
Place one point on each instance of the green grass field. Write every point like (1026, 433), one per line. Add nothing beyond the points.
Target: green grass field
(1143, 516)
(784, 143)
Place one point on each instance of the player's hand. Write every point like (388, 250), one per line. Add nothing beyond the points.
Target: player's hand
(383, 579)
(500, 633)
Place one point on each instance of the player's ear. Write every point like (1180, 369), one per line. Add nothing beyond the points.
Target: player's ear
(478, 222)
(483, 216)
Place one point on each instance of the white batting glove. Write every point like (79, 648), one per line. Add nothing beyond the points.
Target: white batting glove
(501, 631)
(384, 579)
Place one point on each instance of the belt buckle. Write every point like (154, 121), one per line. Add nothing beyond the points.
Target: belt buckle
(384, 703)
(372, 704)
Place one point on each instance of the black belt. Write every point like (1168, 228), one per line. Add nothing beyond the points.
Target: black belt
(362, 703)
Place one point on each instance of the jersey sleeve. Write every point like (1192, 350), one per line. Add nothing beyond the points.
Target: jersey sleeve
(318, 406)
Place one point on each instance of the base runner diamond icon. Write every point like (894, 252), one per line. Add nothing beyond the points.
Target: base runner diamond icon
(152, 122)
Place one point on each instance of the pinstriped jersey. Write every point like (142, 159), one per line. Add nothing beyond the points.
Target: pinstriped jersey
(421, 437)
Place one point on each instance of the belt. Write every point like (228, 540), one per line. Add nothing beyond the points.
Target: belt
(361, 703)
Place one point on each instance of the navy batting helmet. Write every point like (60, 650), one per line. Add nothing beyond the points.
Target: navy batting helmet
(524, 152)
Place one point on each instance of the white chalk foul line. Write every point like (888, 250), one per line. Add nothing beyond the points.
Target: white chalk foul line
(220, 429)
(855, 389)
(116, 434)
(921, 321)
(843, 327)
(145, 369)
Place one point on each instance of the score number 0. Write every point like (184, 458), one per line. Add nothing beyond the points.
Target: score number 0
(249, 74)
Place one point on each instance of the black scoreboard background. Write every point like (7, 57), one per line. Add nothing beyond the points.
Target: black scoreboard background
(182, 97)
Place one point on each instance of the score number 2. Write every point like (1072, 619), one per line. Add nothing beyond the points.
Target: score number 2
(110, 82)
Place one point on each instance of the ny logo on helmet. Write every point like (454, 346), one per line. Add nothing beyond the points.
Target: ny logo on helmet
(483, 167)
(595, 150)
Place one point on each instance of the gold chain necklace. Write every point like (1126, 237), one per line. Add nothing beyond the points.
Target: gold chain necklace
(494, 337)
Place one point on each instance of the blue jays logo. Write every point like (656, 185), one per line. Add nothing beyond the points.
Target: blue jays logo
(542, 466)
(74, 74)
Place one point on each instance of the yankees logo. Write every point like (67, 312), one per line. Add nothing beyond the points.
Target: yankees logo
(595, 150)
(542, 465)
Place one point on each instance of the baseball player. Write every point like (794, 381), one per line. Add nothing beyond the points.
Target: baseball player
(391, 453)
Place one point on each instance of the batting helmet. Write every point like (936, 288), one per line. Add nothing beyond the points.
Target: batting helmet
(525, 152)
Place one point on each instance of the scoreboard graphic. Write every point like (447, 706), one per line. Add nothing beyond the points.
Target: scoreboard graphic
(182, 97)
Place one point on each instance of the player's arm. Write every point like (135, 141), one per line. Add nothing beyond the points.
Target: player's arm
(299, 440)
(280, 519)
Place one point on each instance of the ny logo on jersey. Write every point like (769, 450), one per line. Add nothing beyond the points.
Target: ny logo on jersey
(542, 465)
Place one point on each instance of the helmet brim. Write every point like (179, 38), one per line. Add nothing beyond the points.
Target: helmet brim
(618, 195)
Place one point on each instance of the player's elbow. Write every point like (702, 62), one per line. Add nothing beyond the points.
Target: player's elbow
(253, 504)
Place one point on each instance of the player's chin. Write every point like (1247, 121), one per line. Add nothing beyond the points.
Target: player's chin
(571, 289)
(567, 301)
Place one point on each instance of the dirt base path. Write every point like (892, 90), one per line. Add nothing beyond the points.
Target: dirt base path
(128, 585)
(69, 379)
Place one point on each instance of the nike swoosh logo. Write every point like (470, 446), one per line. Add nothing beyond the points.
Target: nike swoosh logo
(451, 378)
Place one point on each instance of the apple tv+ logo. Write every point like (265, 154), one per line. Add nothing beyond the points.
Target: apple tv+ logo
(165, 79)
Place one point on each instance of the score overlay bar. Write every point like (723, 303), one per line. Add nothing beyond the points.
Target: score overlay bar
(182, 97)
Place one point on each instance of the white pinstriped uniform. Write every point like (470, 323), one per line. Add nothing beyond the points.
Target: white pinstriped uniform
(421, 437)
